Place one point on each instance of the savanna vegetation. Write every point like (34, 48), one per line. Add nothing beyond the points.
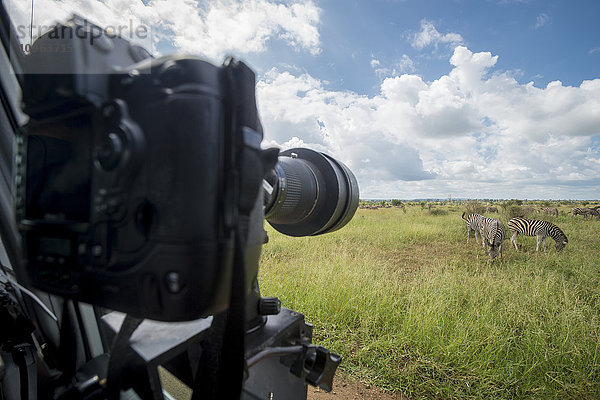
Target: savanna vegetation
(412, 307)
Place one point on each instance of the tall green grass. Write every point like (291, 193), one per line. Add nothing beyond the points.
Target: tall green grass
(412, 307)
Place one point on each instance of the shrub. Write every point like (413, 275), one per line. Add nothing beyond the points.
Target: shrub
(513, 211)
(474, 207)
(512, 202)
(438, 211)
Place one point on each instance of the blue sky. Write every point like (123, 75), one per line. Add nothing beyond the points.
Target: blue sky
(540, 41)
(481, 99)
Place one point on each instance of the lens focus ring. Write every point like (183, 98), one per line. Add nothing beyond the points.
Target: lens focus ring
(297, 192)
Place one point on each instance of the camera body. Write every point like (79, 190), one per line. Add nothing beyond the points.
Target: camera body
(131, 177)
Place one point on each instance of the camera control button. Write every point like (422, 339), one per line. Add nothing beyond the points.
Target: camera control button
(174, 282)
(109, 152)
(269, 306)
(113, 204)
(97, 250)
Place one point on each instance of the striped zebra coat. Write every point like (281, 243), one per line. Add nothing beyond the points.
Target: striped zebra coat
(540, 229)
(493, 234)
(550, 211)
(586, 212)
(473, 223)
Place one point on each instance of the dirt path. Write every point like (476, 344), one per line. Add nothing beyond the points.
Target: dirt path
(343, 389)
(347, 390)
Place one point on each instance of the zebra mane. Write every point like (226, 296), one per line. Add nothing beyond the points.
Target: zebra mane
(558, 234)
(493, 231)
(496, 226)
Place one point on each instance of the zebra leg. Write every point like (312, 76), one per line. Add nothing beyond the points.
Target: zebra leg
(513, 240)
(544, 242)
(539, 239)
(484, 241)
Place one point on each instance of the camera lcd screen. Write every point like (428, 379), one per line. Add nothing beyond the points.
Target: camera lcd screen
(58, 177)
(55, 245)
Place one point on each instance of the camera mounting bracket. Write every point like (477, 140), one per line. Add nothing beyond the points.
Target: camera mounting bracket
(176, 347)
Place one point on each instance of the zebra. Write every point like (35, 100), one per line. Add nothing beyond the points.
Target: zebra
(473, 223)
(538, 228)
(589, 212)
(493, 233)
(576, 211)
(550, 211)
(586, 212)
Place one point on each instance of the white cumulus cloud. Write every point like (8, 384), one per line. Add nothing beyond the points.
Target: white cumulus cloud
(246, 26)
(209, 28)
(542, 20)
(472, 132)
(430, 36)
(403, 65)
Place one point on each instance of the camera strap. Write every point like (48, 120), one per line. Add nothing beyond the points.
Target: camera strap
(222, 363)
(220, 374)
(222, 368)
(118, 357)
(67, 350)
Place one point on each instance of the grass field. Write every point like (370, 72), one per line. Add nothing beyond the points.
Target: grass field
(412, 307)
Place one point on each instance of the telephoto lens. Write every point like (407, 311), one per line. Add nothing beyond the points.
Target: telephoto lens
(309, 193)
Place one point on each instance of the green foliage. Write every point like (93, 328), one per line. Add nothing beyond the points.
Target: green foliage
(474, 207)
(512, 211)
(396, 202)
(438, 211)
(512, 202)
(412, 307)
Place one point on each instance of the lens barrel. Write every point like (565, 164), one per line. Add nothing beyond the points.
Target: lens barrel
(312, 193)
